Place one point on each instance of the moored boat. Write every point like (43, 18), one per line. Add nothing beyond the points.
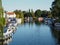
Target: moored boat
(57, 26)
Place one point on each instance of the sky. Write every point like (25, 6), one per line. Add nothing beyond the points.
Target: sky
(10, 5)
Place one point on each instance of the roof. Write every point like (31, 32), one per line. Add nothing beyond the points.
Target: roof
(10, 13)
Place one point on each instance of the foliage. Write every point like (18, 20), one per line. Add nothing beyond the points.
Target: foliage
(44, 13)
(2, 21)
(38, 13)
(49, 14)
(19, 13)
(32, 12)
(28, 14)
(55, 8)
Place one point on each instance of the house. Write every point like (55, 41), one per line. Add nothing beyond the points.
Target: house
(11, 15)
(40, 19)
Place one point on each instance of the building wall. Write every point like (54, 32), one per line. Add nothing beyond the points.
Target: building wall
(19, 20)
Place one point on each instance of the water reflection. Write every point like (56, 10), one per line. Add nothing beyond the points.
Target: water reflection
(56, 34)
(5, 41)
(33, 34)
(37, 22)
(36, 33)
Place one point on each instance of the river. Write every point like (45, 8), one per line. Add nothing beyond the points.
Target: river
(34, 34)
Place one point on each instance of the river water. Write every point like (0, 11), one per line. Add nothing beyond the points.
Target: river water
(35, 34)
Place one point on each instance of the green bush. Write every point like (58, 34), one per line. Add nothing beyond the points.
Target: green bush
(2, 21)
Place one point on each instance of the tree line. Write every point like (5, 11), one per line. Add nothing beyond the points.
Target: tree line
(54, 11)
(38, 13)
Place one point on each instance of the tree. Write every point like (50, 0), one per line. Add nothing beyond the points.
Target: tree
(32, 12)
(38, 13)
(23, 12)
(44, 13)
(18, 13)
(1, 9)
(55, 10)
(28, 14)
(49, 14)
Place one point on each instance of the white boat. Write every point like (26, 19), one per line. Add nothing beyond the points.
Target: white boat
(8, 40)
(8, 33)
(10, 29)
(13, 24)
(57, 26)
